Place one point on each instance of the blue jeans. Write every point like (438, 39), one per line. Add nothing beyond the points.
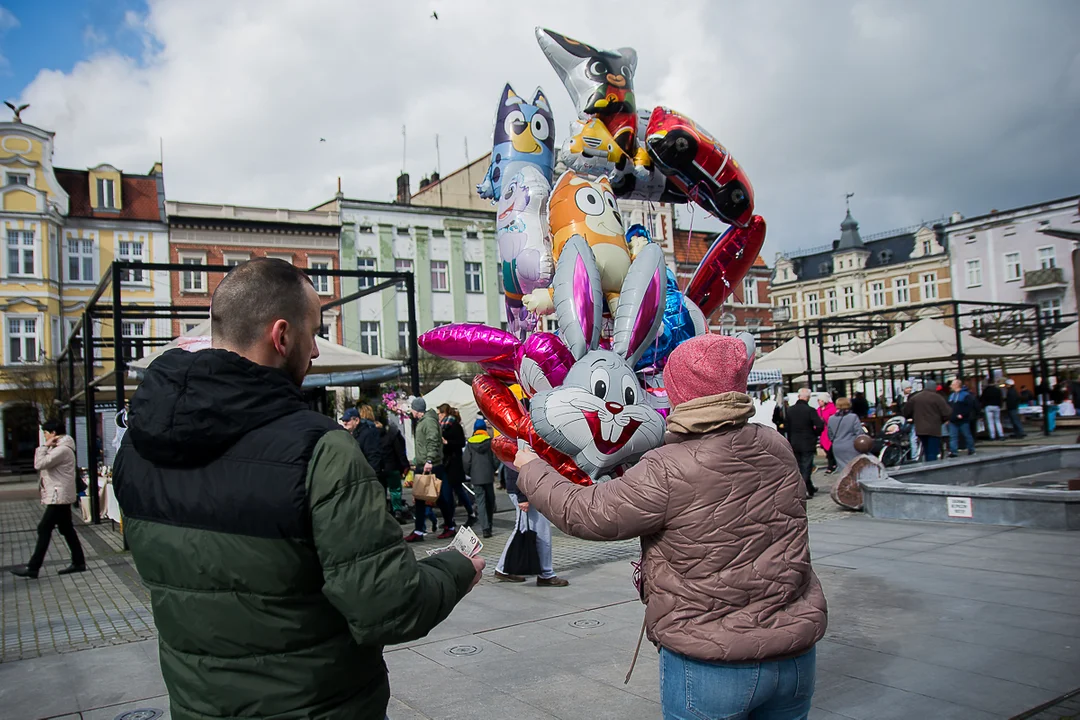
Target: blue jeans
(956, 429)
(931, 446)
(1017, 423)
(771, 690)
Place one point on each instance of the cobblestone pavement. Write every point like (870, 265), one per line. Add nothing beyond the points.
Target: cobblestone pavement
(108, 605)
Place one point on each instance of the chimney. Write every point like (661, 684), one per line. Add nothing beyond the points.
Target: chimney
(435, 177)
(424, 182)
(404, 194)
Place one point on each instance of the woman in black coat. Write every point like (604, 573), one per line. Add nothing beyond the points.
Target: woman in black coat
(453, 447)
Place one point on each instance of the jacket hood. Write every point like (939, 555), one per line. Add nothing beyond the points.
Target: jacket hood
(480, 442)
(710, 414)
(192, 407)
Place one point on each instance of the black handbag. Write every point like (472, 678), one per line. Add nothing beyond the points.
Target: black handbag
(522, 557)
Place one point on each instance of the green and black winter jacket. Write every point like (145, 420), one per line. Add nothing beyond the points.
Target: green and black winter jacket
(275, 572)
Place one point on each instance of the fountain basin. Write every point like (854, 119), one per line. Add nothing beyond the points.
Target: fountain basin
(1026, 488)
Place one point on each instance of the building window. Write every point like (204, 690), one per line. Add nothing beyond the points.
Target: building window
(927, 247)
(232, 259)
(812, 307)
(1013, 269)
(18, 178)
(321, 282)
(21, 256)
(105, 195)
(474, 277)
(785, 273)
(749, 286)
(190, 327)
(403, 231)
(1011, 230)
(831, 298)
(80, 260)
(369, 264)
(929, 286)
(402, 336)
(192, 281)
(785, 302)
(849, 297)
(1047, 258)
(134, 334)
(973, 268)
(472, 235)
(438, 233)
(367, 230)
(22, 340)
(1051, 309)
(877, 294)
(901, 292)
(403, 265)
(369, 337)
(132, 251)
(440, 276)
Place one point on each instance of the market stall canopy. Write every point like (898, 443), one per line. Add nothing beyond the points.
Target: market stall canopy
(1064, 344)
(456, 394)
(926, 341)
(336, 365)
(790, 358)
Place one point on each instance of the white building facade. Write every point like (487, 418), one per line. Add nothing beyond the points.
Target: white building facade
(1004, 256)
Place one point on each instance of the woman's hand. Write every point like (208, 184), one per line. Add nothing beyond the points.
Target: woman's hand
(524, 456)
(524, 506)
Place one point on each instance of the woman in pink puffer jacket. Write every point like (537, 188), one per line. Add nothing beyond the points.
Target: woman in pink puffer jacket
(732, 602)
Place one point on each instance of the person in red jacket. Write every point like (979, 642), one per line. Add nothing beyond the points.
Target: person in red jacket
(731, 599)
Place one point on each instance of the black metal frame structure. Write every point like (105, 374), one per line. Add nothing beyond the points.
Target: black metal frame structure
(82, 337)
(951, 310)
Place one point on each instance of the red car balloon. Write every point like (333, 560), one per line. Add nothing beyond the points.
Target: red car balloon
(725, 264)
(700, 166)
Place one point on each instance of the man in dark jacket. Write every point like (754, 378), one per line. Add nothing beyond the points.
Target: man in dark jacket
(930, 412)
(480, 463)
(962, 403)
(804, 427)
(275, 573)
(860, 405)
(991, 400)
(1012, 405)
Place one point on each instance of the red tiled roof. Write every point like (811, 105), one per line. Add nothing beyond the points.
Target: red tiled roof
(138, 196)
(690, 248)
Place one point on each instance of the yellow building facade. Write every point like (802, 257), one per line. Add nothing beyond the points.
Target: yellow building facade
(61, 230)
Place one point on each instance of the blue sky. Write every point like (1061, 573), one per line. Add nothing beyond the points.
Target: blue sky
(56, 34)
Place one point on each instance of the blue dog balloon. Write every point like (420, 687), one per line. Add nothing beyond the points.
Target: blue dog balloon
(524, 135)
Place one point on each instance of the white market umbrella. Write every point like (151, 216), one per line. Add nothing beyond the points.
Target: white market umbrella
(927, 341)
(790, 358)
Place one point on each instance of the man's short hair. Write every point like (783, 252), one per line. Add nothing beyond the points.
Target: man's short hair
(54, 426)
(254, 294)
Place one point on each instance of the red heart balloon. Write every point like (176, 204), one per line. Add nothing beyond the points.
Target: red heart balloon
(505, 448)
(725, 264)
(498, 405)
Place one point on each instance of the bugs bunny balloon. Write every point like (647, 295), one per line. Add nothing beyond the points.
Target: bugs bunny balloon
(600, 415)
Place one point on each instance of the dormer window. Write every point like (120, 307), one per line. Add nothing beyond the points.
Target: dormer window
(106, 194)
(927, 248)
(16, 178)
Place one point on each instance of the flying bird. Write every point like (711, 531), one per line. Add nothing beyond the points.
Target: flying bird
(18, 110)
(434, 14)
(322, 139)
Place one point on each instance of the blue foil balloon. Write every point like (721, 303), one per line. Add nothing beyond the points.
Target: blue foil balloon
(678, 324)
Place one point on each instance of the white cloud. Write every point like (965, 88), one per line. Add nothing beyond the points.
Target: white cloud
(920, 108)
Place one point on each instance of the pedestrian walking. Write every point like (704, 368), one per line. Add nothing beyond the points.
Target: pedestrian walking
(453, 488)
(843, 428)
(55, 463)
(826, 409)
(427, 459)
(480, 465)
(1012, 406)
(859, 405)
(929, 412)
(804, 428)
(732, 601)
(395, 465)
(528, 518)
(962, 403)
(276, 576)
(991, 399)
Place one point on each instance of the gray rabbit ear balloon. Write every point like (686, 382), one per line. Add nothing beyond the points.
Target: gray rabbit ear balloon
(578, 297)
(643, 294)
(601, 416)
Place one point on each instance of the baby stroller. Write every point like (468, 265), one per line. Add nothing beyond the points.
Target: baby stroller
(898, 444)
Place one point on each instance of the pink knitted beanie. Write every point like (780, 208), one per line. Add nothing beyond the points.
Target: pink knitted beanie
(706, 365)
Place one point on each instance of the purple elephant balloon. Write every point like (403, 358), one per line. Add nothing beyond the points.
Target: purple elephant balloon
(542, 363)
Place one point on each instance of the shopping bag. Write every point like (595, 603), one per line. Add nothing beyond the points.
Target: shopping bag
(426, 487)
(522, 557)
